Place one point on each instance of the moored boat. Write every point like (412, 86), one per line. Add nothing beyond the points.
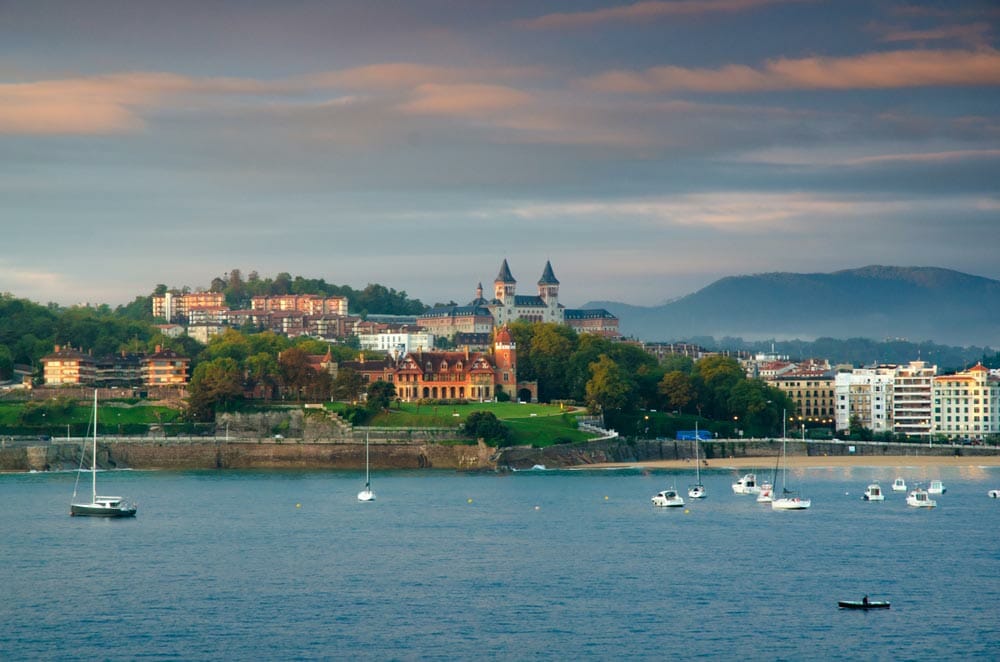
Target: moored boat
(667, 499)
(747, 485)
(936, 487)
(98, 506)
(899, 485)
(873, 493)
(994, 494)
(919, 498)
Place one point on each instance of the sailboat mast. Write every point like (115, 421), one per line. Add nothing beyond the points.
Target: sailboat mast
(697, 462)
(367, 476)
(93, 459)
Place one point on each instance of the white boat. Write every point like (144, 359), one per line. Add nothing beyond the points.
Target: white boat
(919, 498)
(766, 494)
(899, 485)
(697, 491)
(366, 494)
(788, 500)
(994, 494)
(936, 487)
(873, 493)
(98, 506)
(668, 499)
(747, 485)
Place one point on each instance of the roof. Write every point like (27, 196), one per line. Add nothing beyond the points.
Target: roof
(64, 353)
(528, 301)
(588, 313)
(471, 310)
(548, 278)
(504, 276)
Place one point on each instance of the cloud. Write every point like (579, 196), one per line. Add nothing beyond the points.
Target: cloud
(463, 99)
(913, 68)
(841, 156)
(974, 34)
(643, 11)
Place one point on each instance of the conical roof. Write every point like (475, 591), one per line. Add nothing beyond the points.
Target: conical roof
(548, 278)
(504, 276)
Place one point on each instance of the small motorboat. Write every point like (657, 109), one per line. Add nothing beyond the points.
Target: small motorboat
(863, 603)
(994, 494)
(936, 487)
(747, 485)
(919, 498)
(873, 493)
(766, 494)
(668, 499)
(899, 485)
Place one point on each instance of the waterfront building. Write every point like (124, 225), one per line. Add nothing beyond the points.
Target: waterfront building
(165, 367)
(812, 391)
(911, 400)
(966, 405)
(865, 394)
(309, 304)
(68, 366)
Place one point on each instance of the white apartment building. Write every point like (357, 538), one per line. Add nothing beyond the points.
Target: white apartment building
(911, 399)
(967, 404)
(397, 343)
(867, 394)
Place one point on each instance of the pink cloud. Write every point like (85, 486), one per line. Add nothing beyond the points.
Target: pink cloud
(915, 68)
(463, 99)
(643, 11)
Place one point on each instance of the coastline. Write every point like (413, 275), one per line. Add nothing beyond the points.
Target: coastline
(809, 462)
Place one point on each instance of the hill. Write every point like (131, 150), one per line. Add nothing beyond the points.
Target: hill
(916, 303)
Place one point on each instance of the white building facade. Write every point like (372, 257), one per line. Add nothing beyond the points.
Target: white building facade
(395, 343)
(967, 405)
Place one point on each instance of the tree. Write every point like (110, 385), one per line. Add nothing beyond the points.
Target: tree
(347, 385)
(550, 351)
(380, 395)
(678, 389)
(214, 384)
(486, 426)
(294, 372)
(608, 387)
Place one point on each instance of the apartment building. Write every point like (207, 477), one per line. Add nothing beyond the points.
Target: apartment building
(309, 304)
(397, 343)
(865, 394)
(175, 306)
(812, 391)
(911, 399)
(68, 366)
(966, 405)
(165, 367)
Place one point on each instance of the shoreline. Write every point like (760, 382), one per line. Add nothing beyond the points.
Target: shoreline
(808, 462)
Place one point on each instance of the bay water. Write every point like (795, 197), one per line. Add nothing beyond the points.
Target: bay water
(530, 565)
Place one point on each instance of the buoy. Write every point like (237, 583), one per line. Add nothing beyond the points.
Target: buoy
(687, 512)
(470, 501)
(298, 505)
(605, 497)
(538, 507)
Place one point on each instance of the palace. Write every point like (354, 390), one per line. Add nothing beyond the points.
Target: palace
(482, 316)
(450, 375)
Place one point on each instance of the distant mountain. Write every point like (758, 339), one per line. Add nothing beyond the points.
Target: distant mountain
(878, 302)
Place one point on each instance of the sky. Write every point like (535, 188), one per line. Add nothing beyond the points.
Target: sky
(646, 149)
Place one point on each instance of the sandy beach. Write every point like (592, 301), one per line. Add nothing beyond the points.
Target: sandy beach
(803, 461)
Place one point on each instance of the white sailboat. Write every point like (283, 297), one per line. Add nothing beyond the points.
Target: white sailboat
(98, 506)
(788, 500)
(366, 494)
(697, 491)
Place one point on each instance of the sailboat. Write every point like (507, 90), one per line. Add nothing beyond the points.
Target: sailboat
(697, 491)
(788, 500)
(366, 494)
(99, 506)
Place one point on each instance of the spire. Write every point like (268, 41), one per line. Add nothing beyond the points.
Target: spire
(504, 276)
(548, 278)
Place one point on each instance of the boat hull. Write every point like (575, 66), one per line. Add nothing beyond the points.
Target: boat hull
(791, 504)
(858, 604)
(88, 510)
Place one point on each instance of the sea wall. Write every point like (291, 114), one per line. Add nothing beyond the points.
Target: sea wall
(250, 455)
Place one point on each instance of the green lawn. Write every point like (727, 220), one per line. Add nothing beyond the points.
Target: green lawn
(78, 418)
(534, 424)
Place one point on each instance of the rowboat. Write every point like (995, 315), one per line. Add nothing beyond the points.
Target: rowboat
(865, 604)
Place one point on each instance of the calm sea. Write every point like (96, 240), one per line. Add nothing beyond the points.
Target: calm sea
(532, 565)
